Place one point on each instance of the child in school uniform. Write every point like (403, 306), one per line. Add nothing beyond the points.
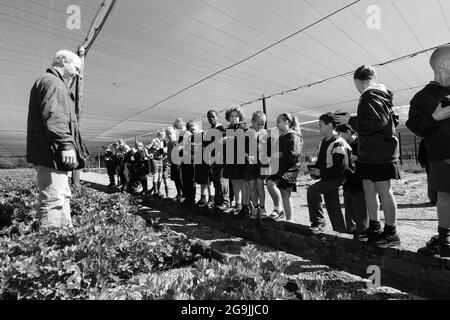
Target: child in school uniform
(233, 170)
(175, 174)
(157, 152)
(333, 163)
(254, 174)
(378, 154)
(282, 183)
(221, 196)
(356, 216)
(429, 117)
(203, 174)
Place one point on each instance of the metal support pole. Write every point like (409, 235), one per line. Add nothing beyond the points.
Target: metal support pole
(415, 149)
(264, 109)
(98, 155)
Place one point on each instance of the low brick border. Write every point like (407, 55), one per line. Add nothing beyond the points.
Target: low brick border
(405, 270)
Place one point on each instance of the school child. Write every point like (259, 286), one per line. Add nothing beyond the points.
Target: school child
(188, 169)
(333, 162)
(234, 170)
(156, 149)
(221, 197)
(120, 151)
(111, 166)
(429, 117)
(378, 154)
(356, 216)
(253, 175)
(139, 168)
(129, 162)
(202, 172)
(281, 184)
(175, 174)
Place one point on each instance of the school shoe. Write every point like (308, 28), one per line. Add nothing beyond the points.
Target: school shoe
(431, 248)
(225, 208)
(370, 235)
(158, 194)
(237, 209)
(276, 215)
(244, 212)
(210, 203)
(317, 228)
(201, 203)
(387, 241)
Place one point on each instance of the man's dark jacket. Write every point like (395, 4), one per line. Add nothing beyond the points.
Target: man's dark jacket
(421, 122)
(375, 124)
(53, 123)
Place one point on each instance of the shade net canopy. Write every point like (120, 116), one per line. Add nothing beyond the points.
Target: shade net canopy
(155, 61)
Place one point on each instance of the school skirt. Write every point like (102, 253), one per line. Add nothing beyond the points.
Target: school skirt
(379, 171)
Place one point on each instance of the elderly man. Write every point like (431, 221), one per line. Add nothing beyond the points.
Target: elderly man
(54, 143)
(120, 151)
(429, 117)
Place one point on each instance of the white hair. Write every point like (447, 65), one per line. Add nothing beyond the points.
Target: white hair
(64, 55)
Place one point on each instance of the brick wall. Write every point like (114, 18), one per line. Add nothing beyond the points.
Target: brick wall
(426, 277)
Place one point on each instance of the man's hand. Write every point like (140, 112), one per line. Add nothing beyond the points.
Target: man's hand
(68, 157)
(441, 113)
(344, 119)
(81, 52)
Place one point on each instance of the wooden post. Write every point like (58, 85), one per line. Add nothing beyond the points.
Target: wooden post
(400, 147)
(75, 178)
(264, 109)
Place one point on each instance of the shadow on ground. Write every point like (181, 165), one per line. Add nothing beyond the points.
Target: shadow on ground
(415, 205)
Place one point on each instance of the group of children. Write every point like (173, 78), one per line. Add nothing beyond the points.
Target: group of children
(224, 178)
(359, 153)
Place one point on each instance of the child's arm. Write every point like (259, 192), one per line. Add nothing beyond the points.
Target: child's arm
(371, 117)
(294, 151)
(420, 122)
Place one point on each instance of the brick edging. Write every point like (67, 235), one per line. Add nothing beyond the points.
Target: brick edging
(405, 270)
